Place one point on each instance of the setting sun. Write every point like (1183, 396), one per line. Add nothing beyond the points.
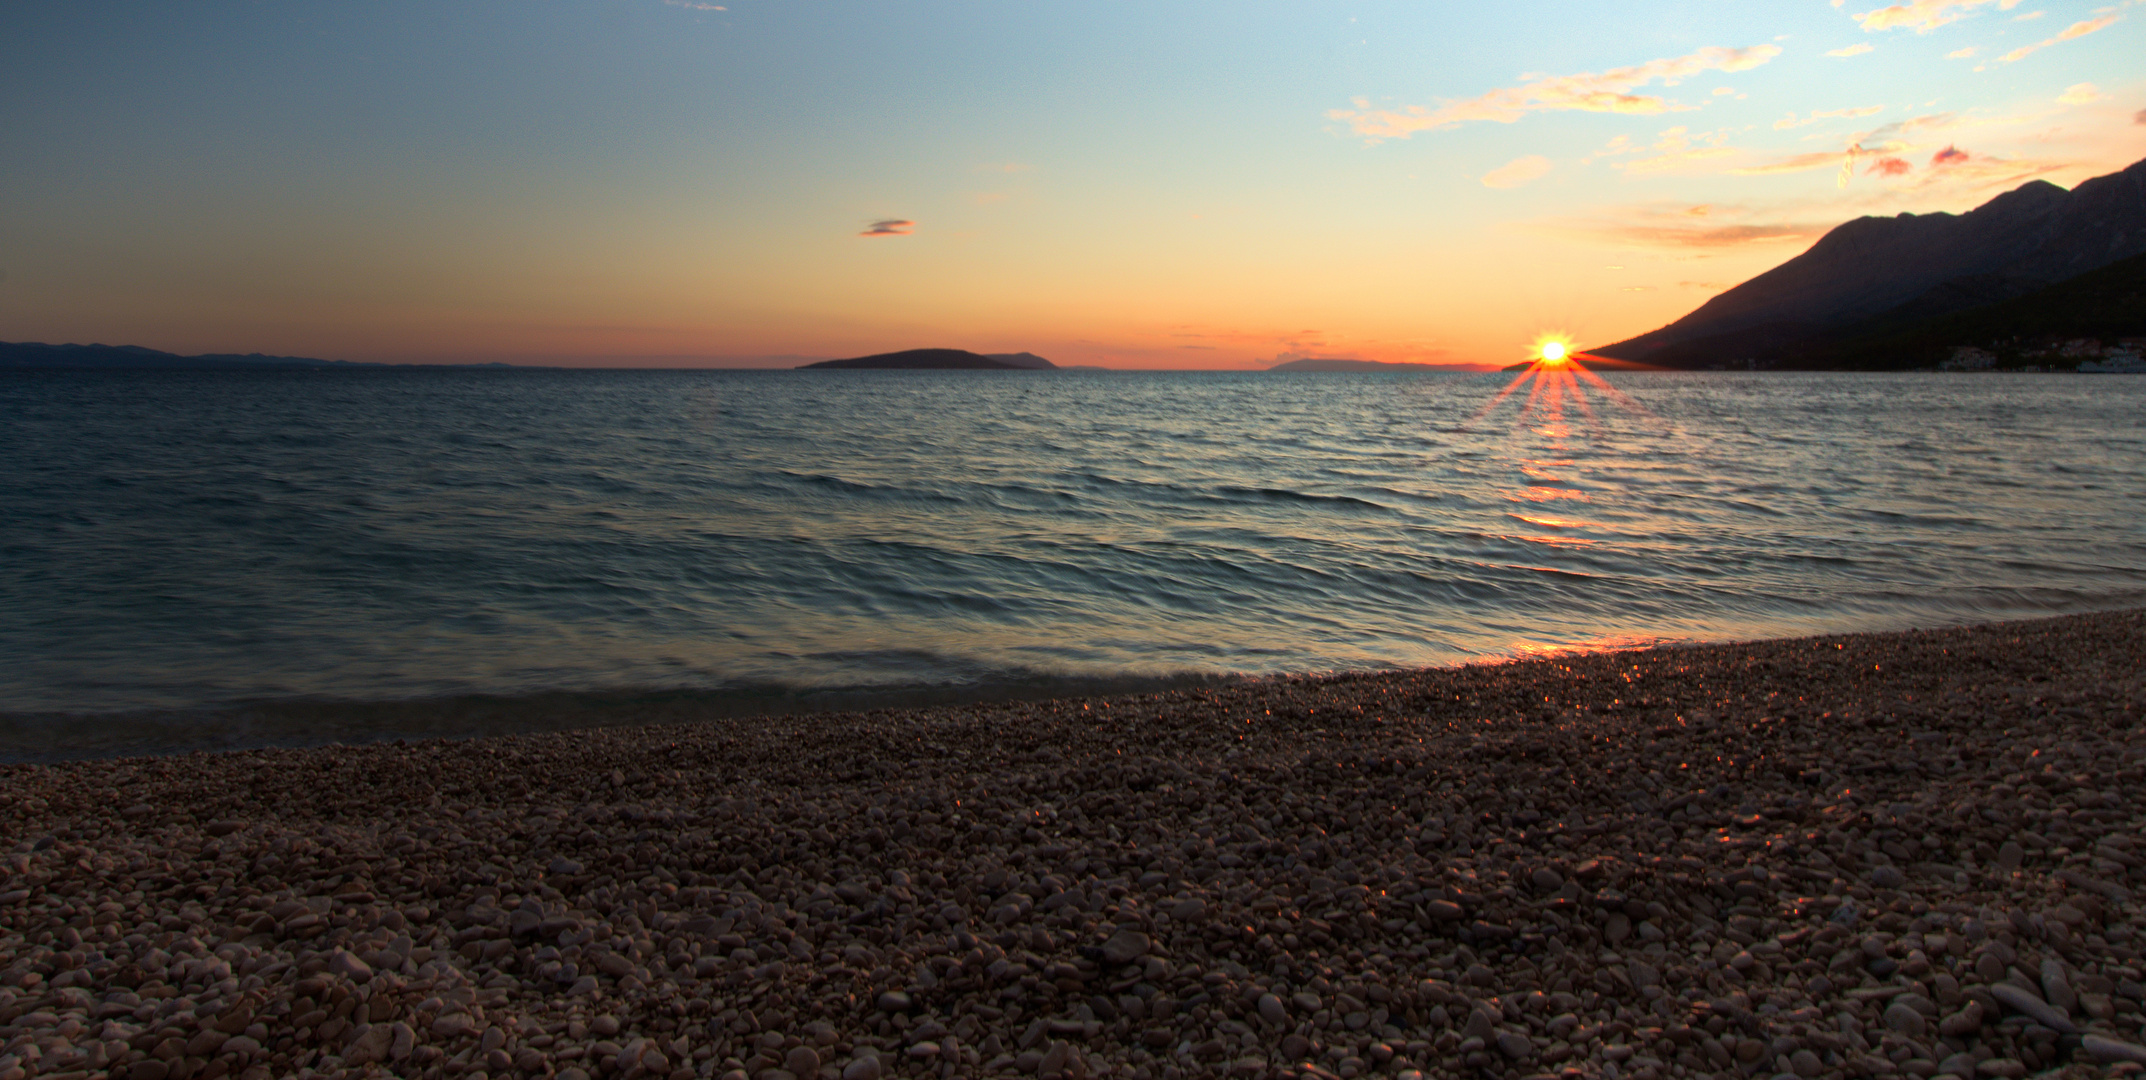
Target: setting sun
(1553, 351)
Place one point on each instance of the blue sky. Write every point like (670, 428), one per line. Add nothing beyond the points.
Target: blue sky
(635, 181)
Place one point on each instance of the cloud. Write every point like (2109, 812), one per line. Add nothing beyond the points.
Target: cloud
(1607, 92)
(2139, 117)
(1963, 54)
(1516, 172)
(1719, 236)
(2079, 94)
(1888, 166)
(1879, 141)
(1829, 114)
(2076, 30)
(1675, 227)
(1923, 16)
(1677, 146)
(692, 5)
(1710, 286)
(889, 227)
(2029, 17)
(1822, 159)
(1950, 155)
(1857, 49)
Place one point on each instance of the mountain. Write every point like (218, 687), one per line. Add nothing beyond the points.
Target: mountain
(2103, 305)
(936, 360)
(1314, 363)
(37, 354)
(1023, 360)
(1873, 273)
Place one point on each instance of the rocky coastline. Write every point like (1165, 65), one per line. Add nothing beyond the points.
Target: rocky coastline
(1880, 855)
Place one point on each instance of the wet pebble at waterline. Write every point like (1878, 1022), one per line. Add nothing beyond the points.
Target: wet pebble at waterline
(1885, 855)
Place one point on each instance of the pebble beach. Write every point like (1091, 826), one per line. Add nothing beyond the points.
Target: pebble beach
(1908, 854)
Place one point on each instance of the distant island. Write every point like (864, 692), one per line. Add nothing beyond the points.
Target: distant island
(2038, 278)
(37, 354)
(1338, 364)
(937, 360)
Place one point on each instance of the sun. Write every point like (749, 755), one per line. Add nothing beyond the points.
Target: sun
(1551, 350)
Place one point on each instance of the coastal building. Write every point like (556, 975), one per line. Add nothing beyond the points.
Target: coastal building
(1968, 358)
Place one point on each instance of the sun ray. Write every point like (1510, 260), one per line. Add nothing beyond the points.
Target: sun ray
(1555, 371)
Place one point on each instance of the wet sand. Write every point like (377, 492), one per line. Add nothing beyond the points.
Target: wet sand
(1876, 855)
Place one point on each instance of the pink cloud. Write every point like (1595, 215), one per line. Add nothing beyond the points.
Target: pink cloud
(1519, 171)
(889, 227)
(1608, 92)
(1923, 16)
(2078, 29)
(1950, 155)
(1888, 166)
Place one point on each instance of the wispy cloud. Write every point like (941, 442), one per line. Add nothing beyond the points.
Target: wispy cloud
(1878, 142)
(1888, 166)
(2078, 29)
(1923, 16)
(2029, 16)
(1822, 159)
(1678, 227)
(1963, 54)
(1516, 172)
(1857, 49)
(889, 227)
(693, 5)
(1608, 92)
(2139, 118)
(2079, 94)
(1710, 237)
(1828, 114)
(1678, 146)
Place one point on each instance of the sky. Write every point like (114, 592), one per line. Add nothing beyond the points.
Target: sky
(1151, 184)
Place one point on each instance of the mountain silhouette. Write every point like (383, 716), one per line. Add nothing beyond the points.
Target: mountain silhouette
(937, 360)
(1873, 273)
(37, 354)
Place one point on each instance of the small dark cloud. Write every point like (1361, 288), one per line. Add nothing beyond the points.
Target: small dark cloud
(1950, 155)
(1887, 166)
(889, 227)
(2139, 117)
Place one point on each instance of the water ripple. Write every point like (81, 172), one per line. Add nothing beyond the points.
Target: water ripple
(187, 541)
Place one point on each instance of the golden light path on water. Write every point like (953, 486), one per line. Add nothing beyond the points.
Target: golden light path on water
(1555, 374)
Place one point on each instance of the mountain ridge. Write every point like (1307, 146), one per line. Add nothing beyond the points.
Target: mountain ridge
(1874, 272)
(936, 360)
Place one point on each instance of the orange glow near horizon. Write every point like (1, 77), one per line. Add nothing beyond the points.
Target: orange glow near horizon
(1555, 372)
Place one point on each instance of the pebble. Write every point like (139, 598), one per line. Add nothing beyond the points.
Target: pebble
(1904, 1020)
(2024, 1002)
(1385, 875)
(1125, 946)
(2104, 1049)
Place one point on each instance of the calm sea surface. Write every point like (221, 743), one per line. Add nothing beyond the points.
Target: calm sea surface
(202, 559)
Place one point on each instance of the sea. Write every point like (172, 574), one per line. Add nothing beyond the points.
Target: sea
(202, 560)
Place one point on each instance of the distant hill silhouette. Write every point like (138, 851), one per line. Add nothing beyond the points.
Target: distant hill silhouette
(937, 360)
(1024, 360)
(38, 354)
(2106, 304)
(1875, 276)
(1324, 364)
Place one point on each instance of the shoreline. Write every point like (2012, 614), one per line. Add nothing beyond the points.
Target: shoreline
(1907, 853)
